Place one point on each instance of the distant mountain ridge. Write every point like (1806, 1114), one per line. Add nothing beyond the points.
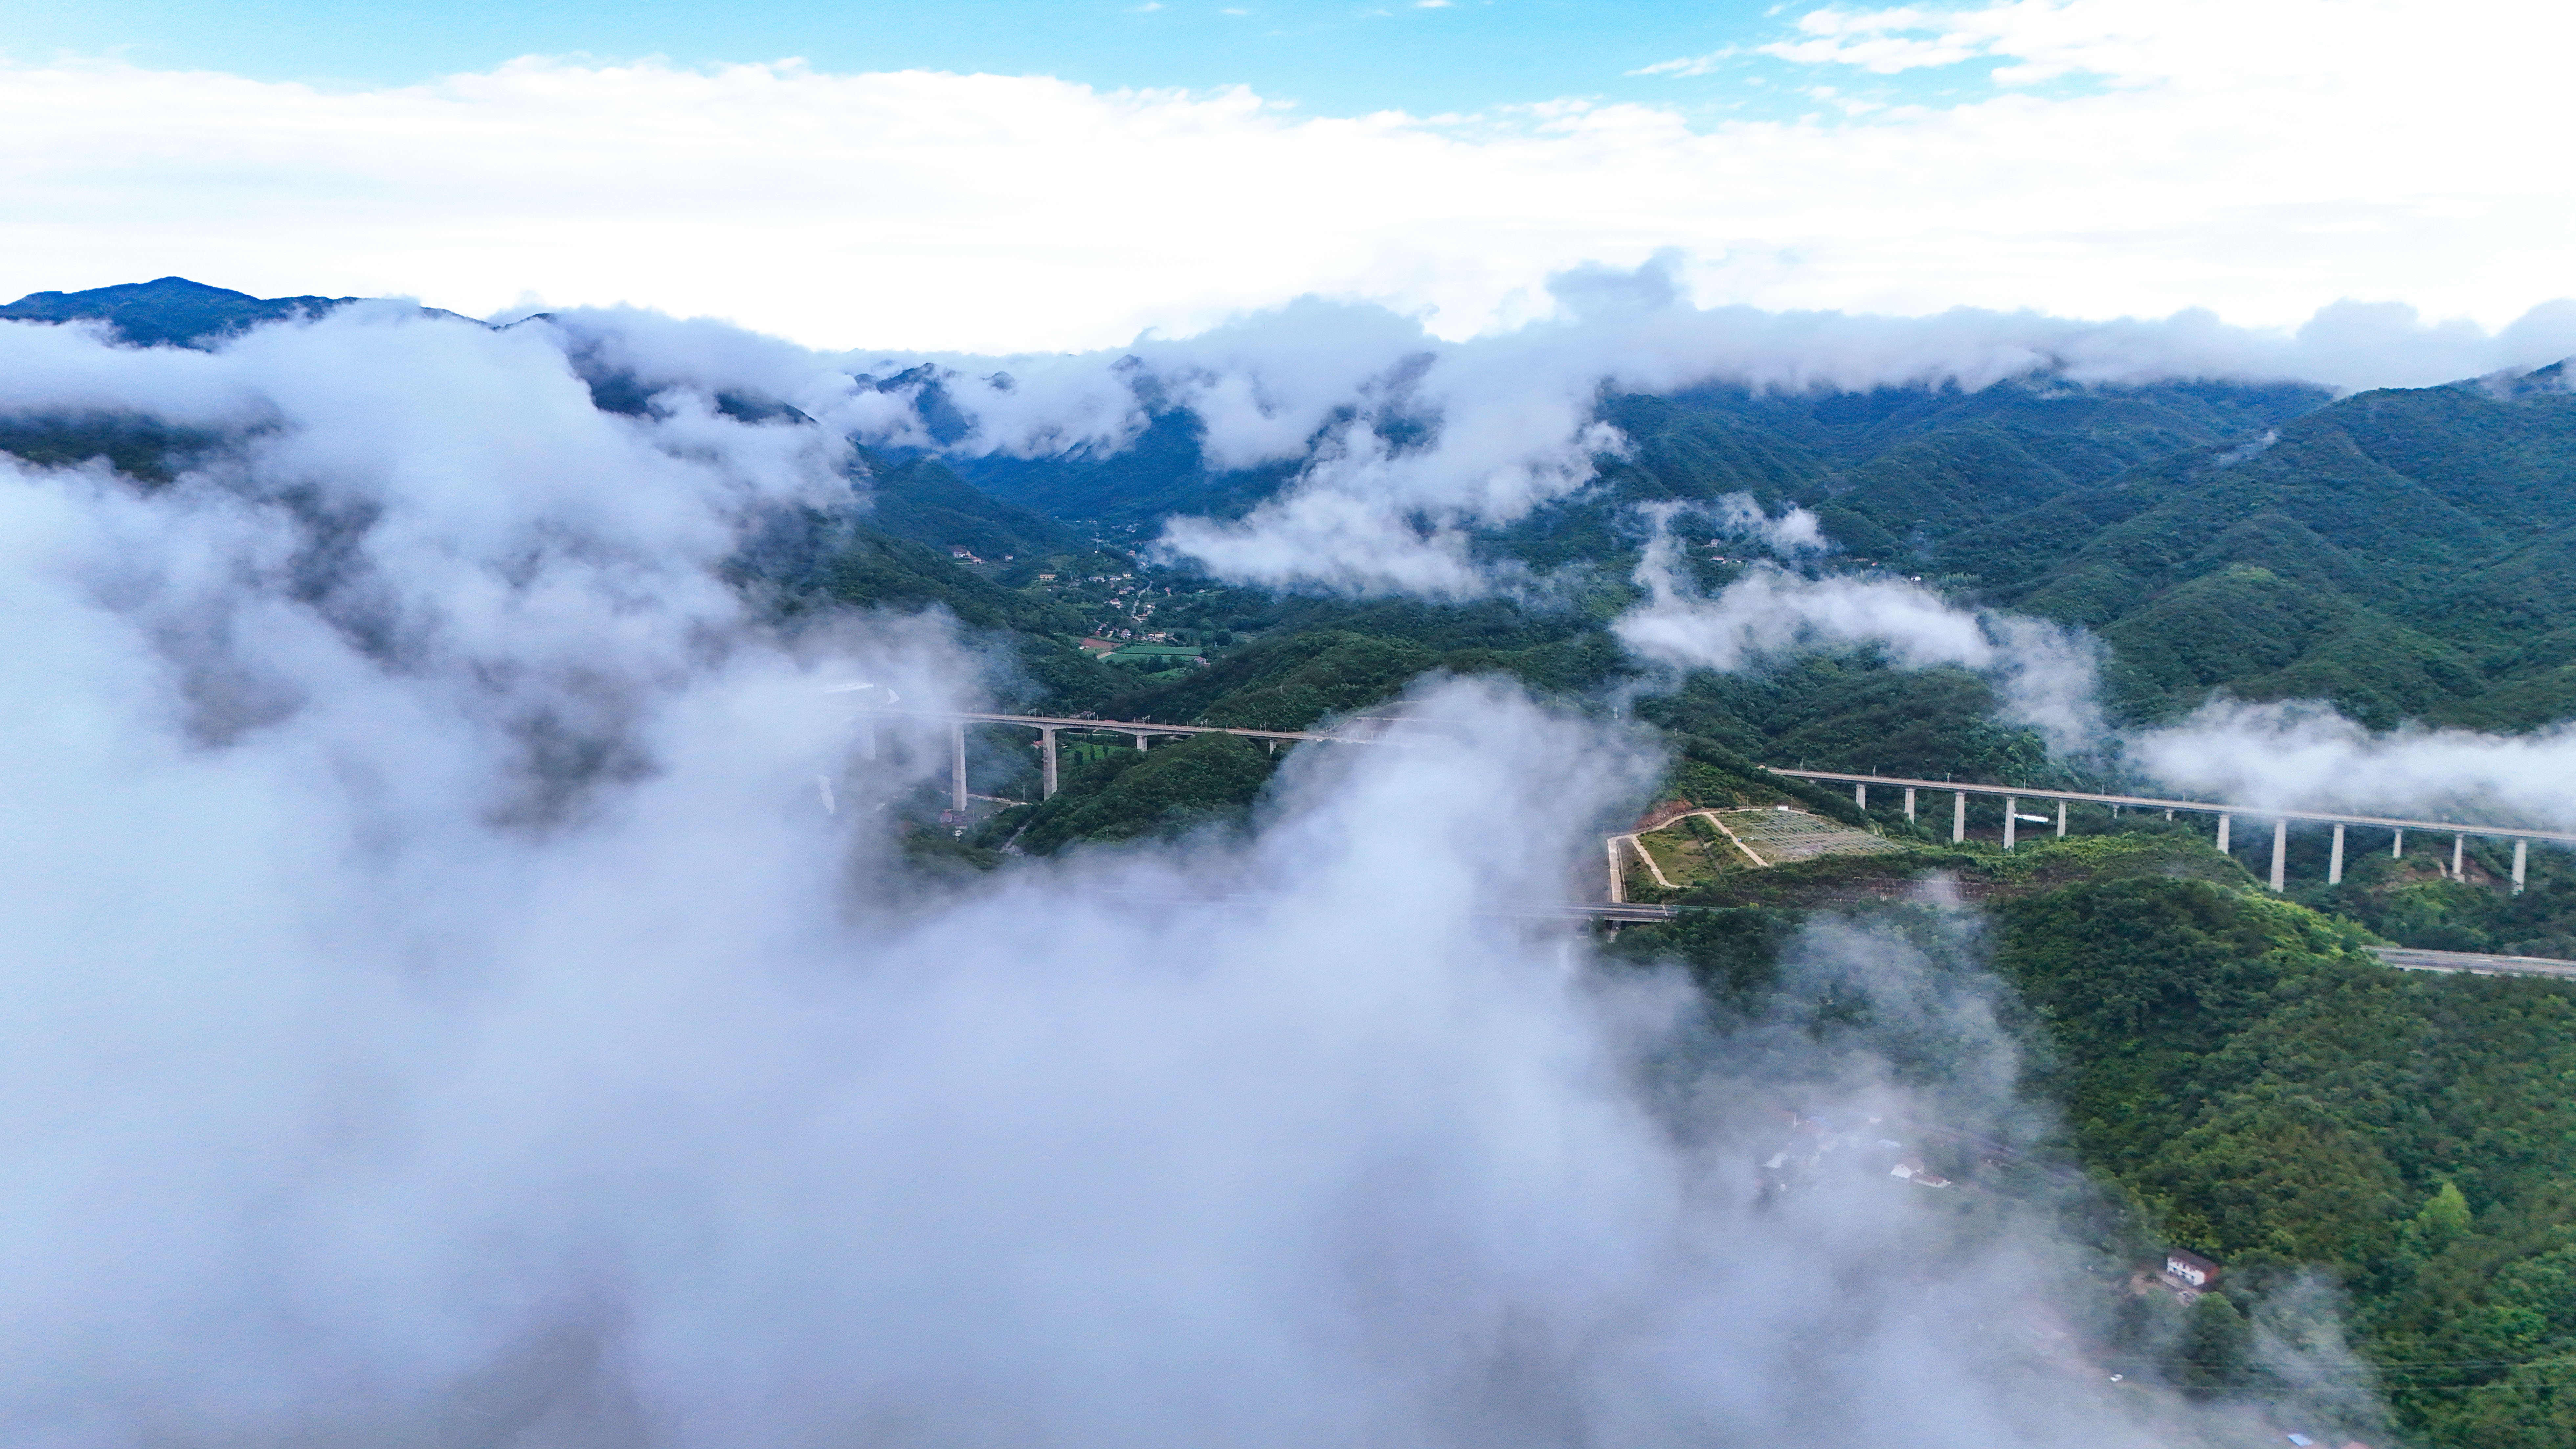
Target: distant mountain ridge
(168, 311)
(176, 312)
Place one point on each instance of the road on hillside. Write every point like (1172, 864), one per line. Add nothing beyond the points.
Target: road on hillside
(2475, 963)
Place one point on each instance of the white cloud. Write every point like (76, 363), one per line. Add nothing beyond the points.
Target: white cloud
(1690, 65)
(1790, 533)
(439, 1011)
(1873, 41)
(2304, 756)
(2261, 159)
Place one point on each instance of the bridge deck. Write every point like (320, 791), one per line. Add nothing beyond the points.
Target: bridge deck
(2204, 807)
(1130, 726)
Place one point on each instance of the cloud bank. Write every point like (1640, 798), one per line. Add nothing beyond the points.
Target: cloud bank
(444, 1015)
(2107, 158)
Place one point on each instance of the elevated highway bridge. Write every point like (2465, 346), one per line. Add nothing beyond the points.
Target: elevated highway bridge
(1382, 730)
(2013, 795)
(1363, 730)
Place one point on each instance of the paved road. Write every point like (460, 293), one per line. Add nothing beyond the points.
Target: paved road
(2476, 963)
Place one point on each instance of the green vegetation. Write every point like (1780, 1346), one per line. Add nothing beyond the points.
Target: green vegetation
(1121, 794)
(1851, 712)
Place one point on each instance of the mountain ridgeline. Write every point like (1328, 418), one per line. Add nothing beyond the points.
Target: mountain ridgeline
(169, 311)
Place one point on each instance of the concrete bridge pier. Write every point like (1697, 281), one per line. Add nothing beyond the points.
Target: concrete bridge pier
(2337, 858)
(957, 768)
(1046, 763)
(1140, 740)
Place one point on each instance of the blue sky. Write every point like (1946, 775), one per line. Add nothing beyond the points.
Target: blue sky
(1327, 56)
